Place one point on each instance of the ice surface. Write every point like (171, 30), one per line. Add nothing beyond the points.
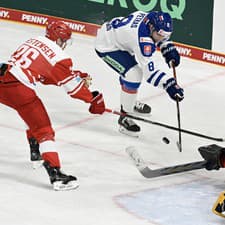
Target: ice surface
(111, 189)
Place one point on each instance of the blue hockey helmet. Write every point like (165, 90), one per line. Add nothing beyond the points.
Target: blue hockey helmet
(160, 21)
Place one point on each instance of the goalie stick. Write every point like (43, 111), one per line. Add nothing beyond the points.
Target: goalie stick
(149, 173)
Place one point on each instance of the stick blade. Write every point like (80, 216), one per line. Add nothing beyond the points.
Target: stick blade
(140, 164)
(135, 157)
(147, 172)
(179, 146)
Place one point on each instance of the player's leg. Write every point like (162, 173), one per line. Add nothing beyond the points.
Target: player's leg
(130, 79)
(130, 84)
(128, 97)
(36, 117)
(8, 83)
(35, 155)
(32, 111)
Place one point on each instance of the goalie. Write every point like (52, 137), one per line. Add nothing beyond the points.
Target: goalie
(215, 157)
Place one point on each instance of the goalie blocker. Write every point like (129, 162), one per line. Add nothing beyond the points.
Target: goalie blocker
(214, 155)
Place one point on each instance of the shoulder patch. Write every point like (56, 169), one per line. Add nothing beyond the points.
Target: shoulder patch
(147, 50)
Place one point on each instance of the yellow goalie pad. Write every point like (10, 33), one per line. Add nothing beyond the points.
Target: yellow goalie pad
(219, 205)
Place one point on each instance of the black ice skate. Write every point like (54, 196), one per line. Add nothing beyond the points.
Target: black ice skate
(59, 180)
(35, 155)
(128, 126)
(142, 108)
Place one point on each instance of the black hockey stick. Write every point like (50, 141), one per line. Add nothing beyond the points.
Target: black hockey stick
(179, 143)
(149, 173)
(166, 126)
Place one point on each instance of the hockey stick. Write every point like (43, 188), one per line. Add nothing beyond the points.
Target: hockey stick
(149, 173)
(165, 125)
(179, 143)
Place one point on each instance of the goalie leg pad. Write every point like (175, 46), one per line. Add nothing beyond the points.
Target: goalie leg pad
(219, 205)
(60, 186)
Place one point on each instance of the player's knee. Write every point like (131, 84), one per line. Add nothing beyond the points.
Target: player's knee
(128, 86)
(44, 134)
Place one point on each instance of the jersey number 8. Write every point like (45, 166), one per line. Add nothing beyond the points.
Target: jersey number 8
(116, 23)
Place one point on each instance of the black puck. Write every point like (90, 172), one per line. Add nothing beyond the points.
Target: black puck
(166, 140)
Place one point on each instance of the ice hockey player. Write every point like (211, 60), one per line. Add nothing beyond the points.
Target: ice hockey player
(215, 157)
(127, 44)
(43, 60)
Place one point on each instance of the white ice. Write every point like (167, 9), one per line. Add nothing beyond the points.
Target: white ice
(111, 190)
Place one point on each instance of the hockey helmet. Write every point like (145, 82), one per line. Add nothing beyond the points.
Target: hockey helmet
(58, 29)
(160, 21)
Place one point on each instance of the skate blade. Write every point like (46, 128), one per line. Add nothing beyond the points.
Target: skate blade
(59, 186)
(37, 164)
(129, 133)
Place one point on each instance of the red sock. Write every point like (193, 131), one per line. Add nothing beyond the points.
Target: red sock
(222, 160)
(52, 158)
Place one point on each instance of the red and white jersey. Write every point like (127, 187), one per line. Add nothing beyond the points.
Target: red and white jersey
(42, 60)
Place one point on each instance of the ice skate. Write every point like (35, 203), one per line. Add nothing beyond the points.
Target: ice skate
(59, 180)
(142, 109)
(35, 155)
(128, 126)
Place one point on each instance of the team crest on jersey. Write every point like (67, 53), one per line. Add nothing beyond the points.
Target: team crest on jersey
(147, 49)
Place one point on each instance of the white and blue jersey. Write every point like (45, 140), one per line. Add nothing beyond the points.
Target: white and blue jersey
(125, 43)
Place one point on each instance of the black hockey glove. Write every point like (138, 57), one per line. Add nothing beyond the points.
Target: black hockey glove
(170, 53)
(213, 154)
(174, 90)
(3, 68)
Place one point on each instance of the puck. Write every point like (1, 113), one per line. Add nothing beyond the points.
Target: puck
(165, 140)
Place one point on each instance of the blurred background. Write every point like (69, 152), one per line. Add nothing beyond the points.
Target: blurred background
(197, 23)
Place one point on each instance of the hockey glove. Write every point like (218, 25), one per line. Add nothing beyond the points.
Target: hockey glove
(97, 104)
(170, 54)
(174, 90)
(3, 69)
(214, 155)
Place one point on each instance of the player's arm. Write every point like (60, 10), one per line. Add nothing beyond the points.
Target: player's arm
(153, 75)
(76, 84)
(169, 52)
